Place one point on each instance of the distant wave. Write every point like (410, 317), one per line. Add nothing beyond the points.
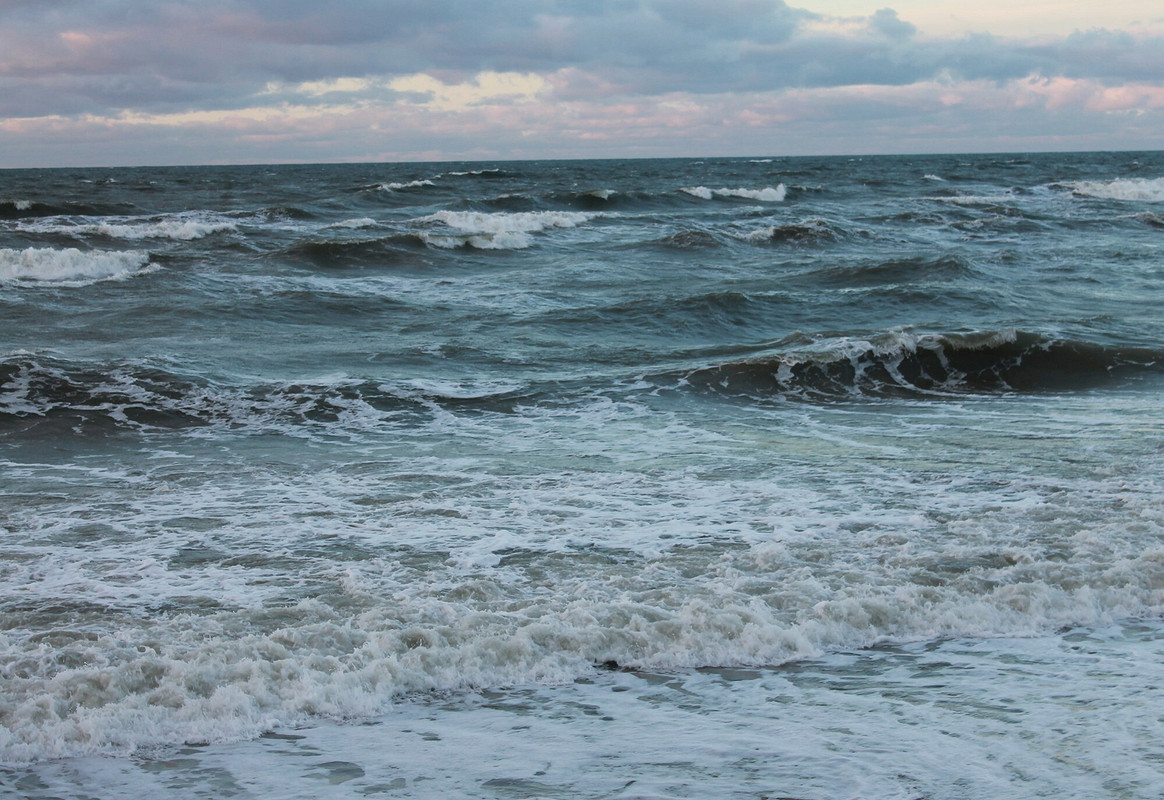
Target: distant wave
(395, 187)
(767, 195)
(20, 208)
(68, 267)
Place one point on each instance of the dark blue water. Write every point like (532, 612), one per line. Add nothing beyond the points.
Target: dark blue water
(427, 444)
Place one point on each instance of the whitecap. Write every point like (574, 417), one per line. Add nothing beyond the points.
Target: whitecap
(768, 194)
(180, 227)
(69, 267)
(496, 231)
(361, 222)
(1146, 189)
(392, 187)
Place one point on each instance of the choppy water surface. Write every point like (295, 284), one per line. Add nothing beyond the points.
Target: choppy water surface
(805, 478)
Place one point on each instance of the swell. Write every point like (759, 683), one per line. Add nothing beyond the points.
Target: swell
(356, 253)
(893, 271)
(21, 209)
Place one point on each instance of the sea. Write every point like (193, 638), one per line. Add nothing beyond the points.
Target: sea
(801, 478)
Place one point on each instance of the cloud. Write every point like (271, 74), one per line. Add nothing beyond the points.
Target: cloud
(595, 69)
(886, 22)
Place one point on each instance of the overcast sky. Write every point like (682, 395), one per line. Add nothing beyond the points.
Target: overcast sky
(123, 82)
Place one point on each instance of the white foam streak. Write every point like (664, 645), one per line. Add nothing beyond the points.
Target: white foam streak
(70, 266)
(395, 187)
(767, 195)
(361, 222)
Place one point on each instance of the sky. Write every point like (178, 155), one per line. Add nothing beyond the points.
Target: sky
(144, 82)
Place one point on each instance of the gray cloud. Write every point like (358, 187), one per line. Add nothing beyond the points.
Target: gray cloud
(102, 56)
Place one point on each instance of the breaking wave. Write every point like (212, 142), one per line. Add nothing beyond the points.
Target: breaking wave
(1138, 189)
(494, 231)
(395, 187)
(179, 227)
(767, 195)
(901, 364)
(70, 266)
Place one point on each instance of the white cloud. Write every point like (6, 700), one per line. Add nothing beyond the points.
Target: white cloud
(484, 88)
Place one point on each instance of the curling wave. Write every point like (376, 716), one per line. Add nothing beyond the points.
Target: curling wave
(901, 364)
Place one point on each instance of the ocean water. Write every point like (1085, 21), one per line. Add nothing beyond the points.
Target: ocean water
(737, 478)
